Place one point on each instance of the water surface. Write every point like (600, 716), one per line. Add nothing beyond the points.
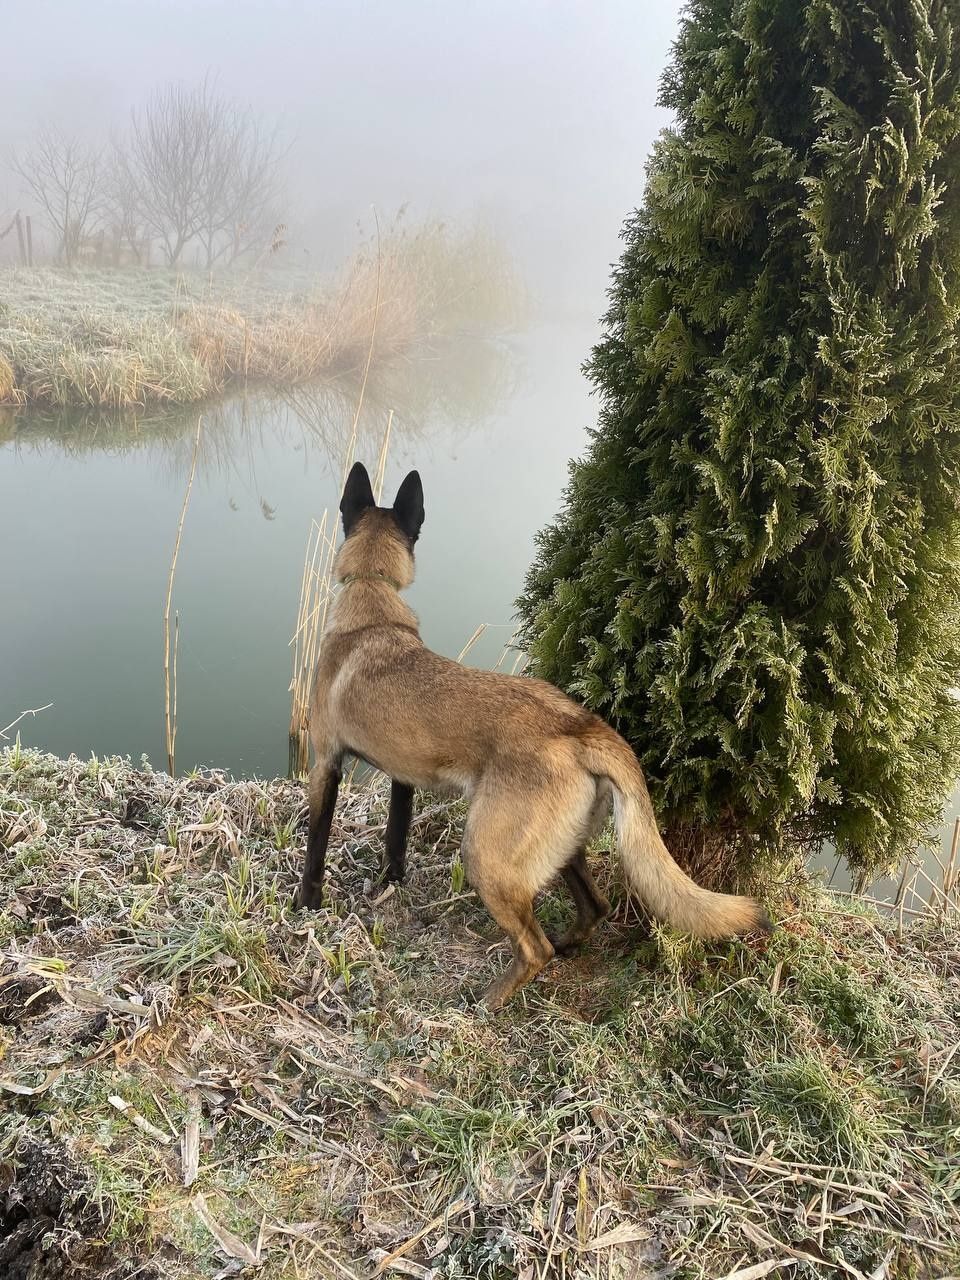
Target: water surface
(90, 507)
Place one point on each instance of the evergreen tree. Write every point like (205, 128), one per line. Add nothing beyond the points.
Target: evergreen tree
(756, 573)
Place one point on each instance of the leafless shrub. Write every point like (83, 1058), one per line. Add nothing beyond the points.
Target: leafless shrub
(201, 168)
(64, 175)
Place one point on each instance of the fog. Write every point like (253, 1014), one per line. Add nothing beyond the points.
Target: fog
(527, 123)
(537, 116)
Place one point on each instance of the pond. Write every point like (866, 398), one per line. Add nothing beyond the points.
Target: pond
(90, 508)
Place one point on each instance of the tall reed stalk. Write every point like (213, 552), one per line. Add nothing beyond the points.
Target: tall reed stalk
(316, 582)
(170, 653)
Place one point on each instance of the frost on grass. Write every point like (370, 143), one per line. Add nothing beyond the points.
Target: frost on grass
(235, 1087)
(125, 338)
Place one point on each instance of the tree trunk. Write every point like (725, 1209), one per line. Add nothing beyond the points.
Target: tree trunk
(67, 232)
(716, 857)
(174, 254)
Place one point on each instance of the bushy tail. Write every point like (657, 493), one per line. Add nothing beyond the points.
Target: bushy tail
(666, 891)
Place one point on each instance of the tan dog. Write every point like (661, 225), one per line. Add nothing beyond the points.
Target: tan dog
(539, 771)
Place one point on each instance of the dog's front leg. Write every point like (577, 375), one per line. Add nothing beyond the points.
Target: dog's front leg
(324, 783)
(398, 829)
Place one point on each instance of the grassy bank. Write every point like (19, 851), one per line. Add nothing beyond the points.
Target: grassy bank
(127, 338)
(221, 1085)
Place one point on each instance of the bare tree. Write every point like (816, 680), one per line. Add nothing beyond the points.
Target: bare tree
(122, 210)
(243, 190)
(200, 167)
(167, 160)
(63, 175)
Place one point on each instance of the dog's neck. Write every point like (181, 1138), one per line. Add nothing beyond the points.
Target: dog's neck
(368, 600)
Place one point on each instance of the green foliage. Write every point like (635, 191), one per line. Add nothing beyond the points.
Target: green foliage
(755, 575)
(458, 875)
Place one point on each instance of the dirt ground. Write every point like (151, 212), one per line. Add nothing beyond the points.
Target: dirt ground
(51, 1227)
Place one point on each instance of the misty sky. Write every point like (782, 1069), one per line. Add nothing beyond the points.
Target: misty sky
(537, 113)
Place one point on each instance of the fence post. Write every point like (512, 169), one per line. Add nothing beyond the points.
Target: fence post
(20, 241)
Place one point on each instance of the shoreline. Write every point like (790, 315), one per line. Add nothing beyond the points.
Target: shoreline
(144, 338)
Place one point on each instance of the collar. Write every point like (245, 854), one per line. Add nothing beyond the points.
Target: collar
(370, 577)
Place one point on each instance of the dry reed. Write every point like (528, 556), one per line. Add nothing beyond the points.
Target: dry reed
(316, 583)
(919, 893)
(30, 711)
(170, 668)
(8, 386)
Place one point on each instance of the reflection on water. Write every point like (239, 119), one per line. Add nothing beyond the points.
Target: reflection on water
(452, 386)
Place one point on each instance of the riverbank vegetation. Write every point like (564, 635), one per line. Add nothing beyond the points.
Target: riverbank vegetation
(198, 1081)
(130, 337)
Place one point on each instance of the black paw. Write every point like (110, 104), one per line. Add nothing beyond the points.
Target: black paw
(308, 899)
(564, 946)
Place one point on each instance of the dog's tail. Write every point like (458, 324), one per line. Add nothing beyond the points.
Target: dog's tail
(666, 891)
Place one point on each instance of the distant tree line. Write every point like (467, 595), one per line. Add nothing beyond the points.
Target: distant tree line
(195, 176)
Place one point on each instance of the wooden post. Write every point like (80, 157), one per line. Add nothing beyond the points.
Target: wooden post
(20, 240)
(29, 223)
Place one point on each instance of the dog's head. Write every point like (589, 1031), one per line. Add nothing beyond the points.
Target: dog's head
(379, 541)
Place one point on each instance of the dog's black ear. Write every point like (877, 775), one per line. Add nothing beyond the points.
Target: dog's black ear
(357, 497)
(408, 506)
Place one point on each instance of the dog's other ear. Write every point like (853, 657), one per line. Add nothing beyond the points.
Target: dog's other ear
(408, 506)
(357, 497)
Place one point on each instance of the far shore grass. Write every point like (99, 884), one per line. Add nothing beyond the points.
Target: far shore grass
(196, 1080)
(146, 338)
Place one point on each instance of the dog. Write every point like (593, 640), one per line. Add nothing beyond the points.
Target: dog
(540, 772)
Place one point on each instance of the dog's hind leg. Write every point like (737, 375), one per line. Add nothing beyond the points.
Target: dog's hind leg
(514, 843)
(531, 946)
(324, 783)
(592, 906)
(398, 829)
